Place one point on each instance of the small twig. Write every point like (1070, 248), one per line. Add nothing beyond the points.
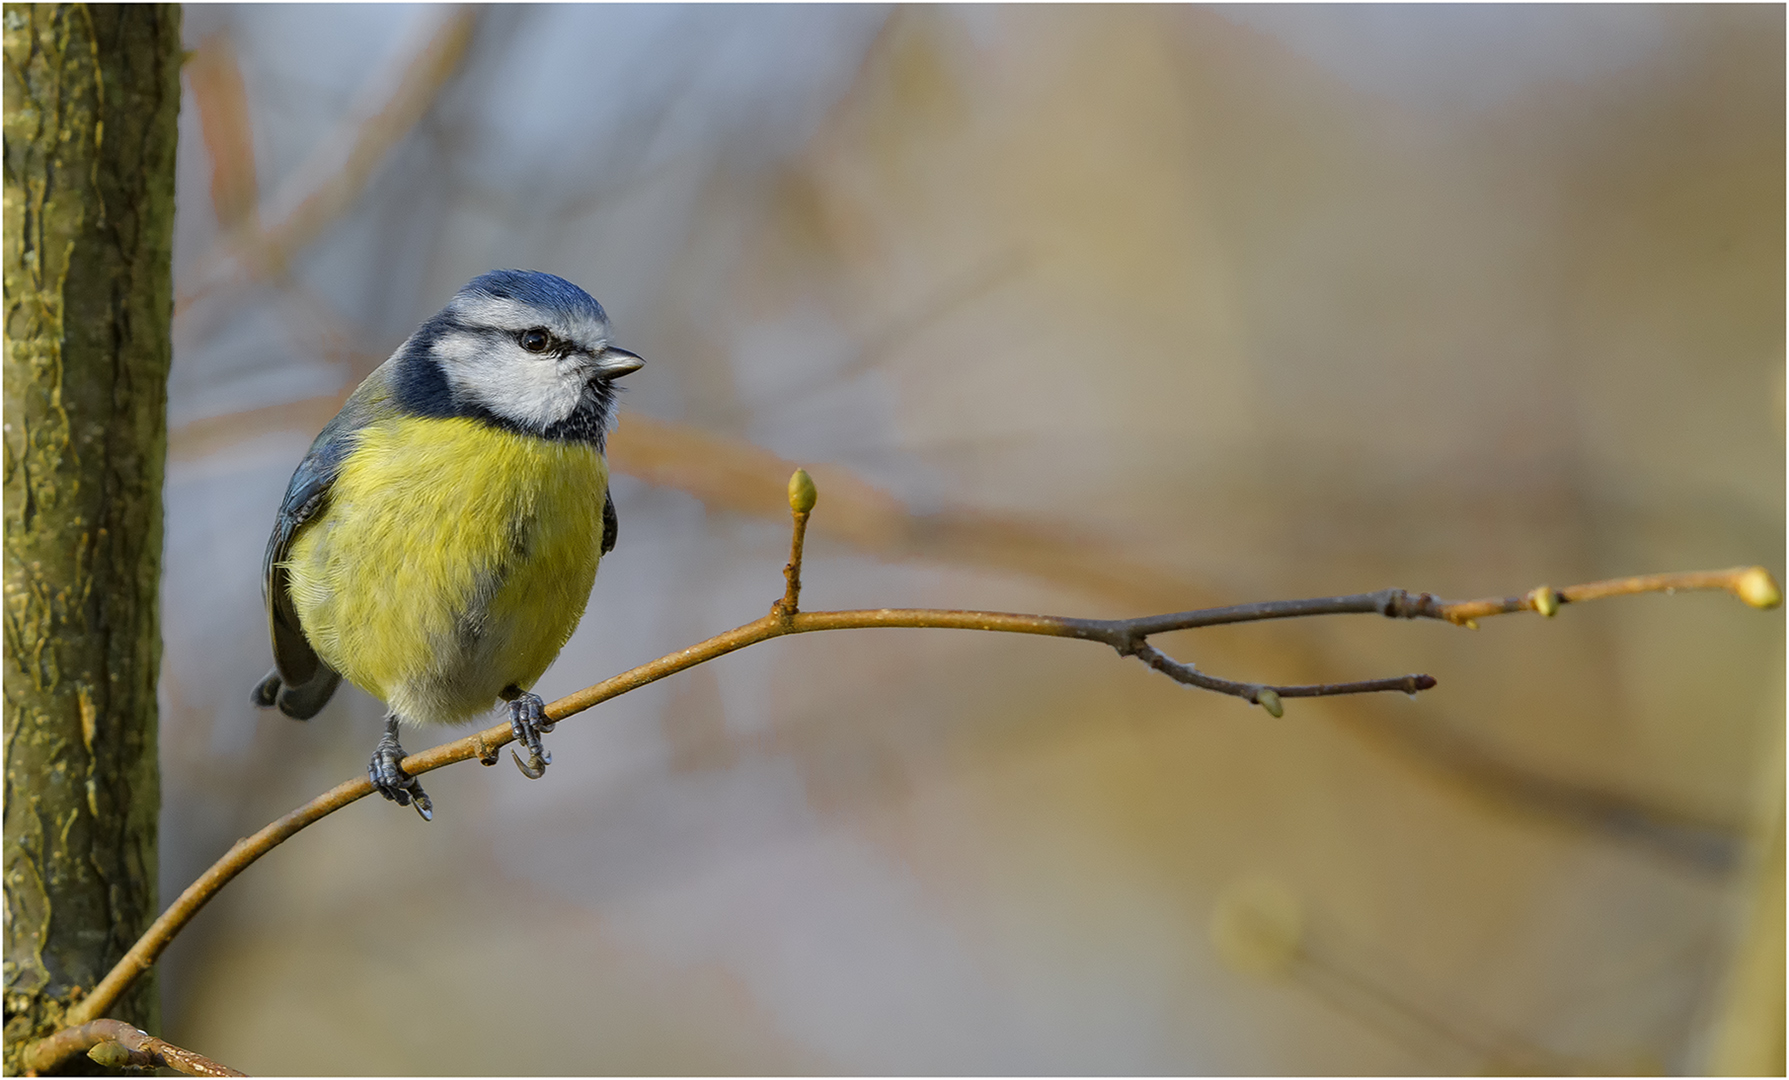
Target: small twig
(1128, 637)
(1268, 697)
(117, 1045)
(802, 497)
(1753, 584)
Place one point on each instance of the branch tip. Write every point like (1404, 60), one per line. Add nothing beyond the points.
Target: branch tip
(1756, 587)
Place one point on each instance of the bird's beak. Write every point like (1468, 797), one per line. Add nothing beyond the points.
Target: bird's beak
(613, 363)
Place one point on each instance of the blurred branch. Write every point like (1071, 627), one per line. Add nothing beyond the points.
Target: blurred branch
(222, 100)
(732, 475)
(416, 91)
(1412, 1020)
(1258, 928)
(199, 438)
(1433, 747)
(1128, 637)
(331, 180)
(117, 1045)
(740, 477)
(933, 306)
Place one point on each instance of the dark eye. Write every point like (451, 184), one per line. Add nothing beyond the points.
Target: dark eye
(535, 340)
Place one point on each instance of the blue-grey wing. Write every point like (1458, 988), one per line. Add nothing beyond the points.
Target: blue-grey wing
(307, 681)
(306, 496)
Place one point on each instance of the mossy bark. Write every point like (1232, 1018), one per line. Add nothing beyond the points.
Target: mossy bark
(92, 95)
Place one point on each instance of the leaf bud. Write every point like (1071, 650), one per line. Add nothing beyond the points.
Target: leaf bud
(111, 1053)
(1757, 588)
(802, 495)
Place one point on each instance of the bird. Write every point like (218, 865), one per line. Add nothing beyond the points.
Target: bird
(438, 543)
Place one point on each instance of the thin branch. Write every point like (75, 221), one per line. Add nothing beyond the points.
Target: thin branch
(1753, 584)
(1268, 697)
(117, 1045)
(1128, 637)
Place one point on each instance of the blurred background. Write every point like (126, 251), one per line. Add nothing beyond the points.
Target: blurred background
(1094, 311)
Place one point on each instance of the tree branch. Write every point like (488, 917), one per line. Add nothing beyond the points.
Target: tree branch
(1128, 637)
(117, 1045)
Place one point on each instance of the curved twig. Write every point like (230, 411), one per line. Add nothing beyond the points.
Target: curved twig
(1128, 637)
(117, 1045)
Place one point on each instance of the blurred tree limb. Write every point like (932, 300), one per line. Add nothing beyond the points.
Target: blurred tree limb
(92, 95)
(1128, 637)
(1747, 1034)
(331, 181)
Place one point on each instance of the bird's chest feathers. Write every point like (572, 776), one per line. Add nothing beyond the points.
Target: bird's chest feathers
(457, 551)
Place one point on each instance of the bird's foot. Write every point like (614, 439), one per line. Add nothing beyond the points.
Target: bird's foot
(528, 721)
(389, 779)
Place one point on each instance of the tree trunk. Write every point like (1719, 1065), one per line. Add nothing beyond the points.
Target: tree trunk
(92, 94)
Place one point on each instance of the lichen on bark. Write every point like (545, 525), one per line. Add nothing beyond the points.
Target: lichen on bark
(91, 99)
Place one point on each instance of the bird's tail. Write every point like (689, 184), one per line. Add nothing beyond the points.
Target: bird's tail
(300, 702)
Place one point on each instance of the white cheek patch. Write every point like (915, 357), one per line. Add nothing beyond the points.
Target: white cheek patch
(495, 372)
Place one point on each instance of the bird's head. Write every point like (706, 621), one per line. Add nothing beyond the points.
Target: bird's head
(527, 350)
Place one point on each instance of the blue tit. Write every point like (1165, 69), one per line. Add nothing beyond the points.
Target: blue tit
(437, 545)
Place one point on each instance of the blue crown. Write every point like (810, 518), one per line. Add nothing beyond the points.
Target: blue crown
(545, 291)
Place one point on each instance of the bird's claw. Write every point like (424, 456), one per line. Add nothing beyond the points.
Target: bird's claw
(389, 779)
(528, 722)
(532, 772)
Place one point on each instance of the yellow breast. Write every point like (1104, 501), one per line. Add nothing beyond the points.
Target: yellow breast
(452, 560)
